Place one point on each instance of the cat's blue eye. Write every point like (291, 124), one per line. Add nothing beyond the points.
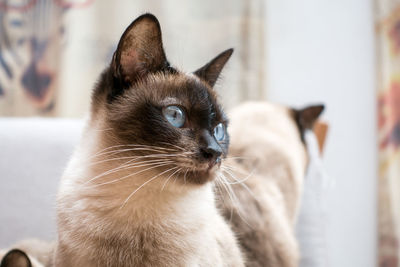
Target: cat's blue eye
(219, 132)
(175, 116)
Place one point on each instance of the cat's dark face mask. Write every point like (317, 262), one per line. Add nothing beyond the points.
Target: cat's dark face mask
(159, 113)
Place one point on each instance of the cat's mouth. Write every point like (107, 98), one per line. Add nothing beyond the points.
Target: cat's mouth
(200, 173)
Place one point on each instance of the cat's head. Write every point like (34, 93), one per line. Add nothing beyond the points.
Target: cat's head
(265, 135)
(157, 112)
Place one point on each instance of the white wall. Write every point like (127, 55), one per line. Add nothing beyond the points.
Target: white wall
(323, 50)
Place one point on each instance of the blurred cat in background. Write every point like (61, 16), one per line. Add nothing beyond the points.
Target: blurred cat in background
(263, 177)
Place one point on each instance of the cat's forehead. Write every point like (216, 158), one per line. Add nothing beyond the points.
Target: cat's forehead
(184, 89)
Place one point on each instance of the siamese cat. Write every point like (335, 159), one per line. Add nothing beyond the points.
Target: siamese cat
(138, 190)
(265, 169)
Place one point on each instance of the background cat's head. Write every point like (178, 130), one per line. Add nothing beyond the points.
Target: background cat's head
(149, 106)
(268, 135)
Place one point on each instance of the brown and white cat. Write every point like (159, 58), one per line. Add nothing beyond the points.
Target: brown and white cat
(266, 167)
(138, 191)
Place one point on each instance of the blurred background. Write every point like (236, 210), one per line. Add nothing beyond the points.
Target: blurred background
(343, 53)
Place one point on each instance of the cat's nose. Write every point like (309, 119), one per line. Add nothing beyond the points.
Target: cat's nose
(211, 153)
(210, 149)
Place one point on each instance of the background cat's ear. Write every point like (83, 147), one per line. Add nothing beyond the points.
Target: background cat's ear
(307, 116)
(15, 258)
(212, 69)
(140, 50)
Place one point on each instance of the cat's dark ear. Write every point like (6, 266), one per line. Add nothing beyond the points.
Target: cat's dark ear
(212, 69)
(15, 258)
(306, 117)
(140, 50)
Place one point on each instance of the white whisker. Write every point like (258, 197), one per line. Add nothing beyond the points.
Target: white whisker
(159, 149)
(132, 174)
(234, 202)
(184, 177)
(137, 189)
(140, 157)
(237, 181)
(221, 196)
(241, 182)
(144, 149)
(169, 177)
(235, 169)
(234, 199)
(178, 147)
(129, 166)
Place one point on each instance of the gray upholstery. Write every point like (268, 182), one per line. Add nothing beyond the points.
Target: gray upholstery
(33, 154)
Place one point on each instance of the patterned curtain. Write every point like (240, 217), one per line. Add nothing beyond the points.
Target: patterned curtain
(52, 51)
(388, 40)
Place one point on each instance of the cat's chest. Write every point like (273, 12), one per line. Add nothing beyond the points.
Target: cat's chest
(167, 244)
(165, 232)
